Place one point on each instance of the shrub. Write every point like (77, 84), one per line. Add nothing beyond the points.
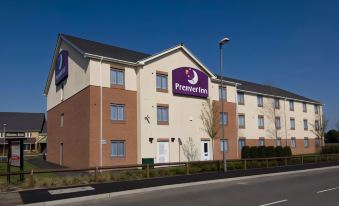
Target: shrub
(330, 149)
(261, 152)
(270, 152)
(253, 152)
(287, 151)
(245, 152)
(279, 151)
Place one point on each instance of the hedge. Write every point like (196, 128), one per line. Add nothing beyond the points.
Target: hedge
(264, 152)
(330, 149)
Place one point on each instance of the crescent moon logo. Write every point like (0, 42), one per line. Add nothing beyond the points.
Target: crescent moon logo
(60, 62)
(195, 78)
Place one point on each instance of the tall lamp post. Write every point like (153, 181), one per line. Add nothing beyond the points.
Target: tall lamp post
(4, 135)
(221, 43)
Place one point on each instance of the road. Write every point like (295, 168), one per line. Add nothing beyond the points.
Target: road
(312, 188)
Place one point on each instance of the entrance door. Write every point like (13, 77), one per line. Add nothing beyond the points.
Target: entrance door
(61, 154)
(205, 147)
(163, 152)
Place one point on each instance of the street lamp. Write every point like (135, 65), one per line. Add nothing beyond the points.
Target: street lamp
(221, 43)
(4, 135)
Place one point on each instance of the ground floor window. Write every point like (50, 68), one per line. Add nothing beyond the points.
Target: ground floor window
(306, 142)
(293, 142)
(317, 142)
(242, 143)
(261, 141)
(278, 142)
(118, 149)
(223, 145)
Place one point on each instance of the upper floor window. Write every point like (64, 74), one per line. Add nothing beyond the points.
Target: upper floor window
(223, 145)
(305, 124)
(292, 123)
(118, 149)
(261, 141)
(291, 105)
(260, 100)
(277, 103)
(241, 98)
(316, 109)
(277, 123)
(117, 77)
(241, 120)
(162, 114)
(261, 123)
(161, 82)
(222, 93)
(304, 107)
(117, 112)
(223, 118)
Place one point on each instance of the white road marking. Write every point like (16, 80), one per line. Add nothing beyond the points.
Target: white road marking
(70, 190)
(272, 203)
(321, 191)
(242, 183)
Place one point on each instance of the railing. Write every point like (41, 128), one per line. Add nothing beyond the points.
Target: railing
(245, 164)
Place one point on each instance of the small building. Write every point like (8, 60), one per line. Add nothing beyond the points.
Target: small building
(19, 124)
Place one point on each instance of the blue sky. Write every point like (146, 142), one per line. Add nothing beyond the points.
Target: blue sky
(291, 44)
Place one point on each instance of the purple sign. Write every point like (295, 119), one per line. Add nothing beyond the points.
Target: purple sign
(189, 81)
(61, 67)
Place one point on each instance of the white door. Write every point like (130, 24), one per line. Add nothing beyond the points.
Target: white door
(163, 152)
(205, 148)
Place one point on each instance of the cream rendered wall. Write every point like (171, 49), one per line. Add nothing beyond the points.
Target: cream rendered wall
(130, 74)
(184, 111)
(78, 77)
(251, 111)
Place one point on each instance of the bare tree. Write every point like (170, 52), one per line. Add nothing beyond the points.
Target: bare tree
(210, 120)
(269, 112)
(319, 130)
(189, 149)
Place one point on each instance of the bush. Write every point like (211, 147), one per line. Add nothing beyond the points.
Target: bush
(245, 152)
(264, 152)
(330, 149)
(270, 152)
(279, 151)
(254, 152)
(287, 152)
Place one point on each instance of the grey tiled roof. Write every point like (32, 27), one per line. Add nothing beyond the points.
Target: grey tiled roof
(266, 89)
(105, 50)
(22, 122)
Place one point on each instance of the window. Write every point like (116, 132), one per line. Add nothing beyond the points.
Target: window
(224, 118)
(260, 101)
(306, 142)
(222, 93)
(261, 123)
(261, 141)
(278, 142)
(277, 123)
(117, 112)
(242, 143)
(224, 145)
(241, 120)
(316, 109)
(304, 107)
(62, 120)
(317, 125)
(276, 103)
(292, 123)
(117, 77)
(118, 149)
(305, 124)
(241, 98)
(317, 142)
(293, 142)
(161, 82)
(291, 105)
(162, 114)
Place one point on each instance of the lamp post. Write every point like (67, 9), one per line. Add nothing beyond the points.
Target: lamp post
(221, 43)
(4, 134)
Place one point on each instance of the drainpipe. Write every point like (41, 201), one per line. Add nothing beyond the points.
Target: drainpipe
(285, 121)
(236, 118)
(101, 112)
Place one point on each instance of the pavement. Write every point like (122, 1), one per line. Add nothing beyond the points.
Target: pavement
(314, 188)
(101, 190)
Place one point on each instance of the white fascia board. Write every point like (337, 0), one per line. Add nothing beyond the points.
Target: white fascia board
(144, 61)
(93, 56)
(280, 97)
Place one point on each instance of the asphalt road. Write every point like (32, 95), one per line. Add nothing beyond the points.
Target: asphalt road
(312, 188)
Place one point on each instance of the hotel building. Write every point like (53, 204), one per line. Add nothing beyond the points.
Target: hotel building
(110, 106)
